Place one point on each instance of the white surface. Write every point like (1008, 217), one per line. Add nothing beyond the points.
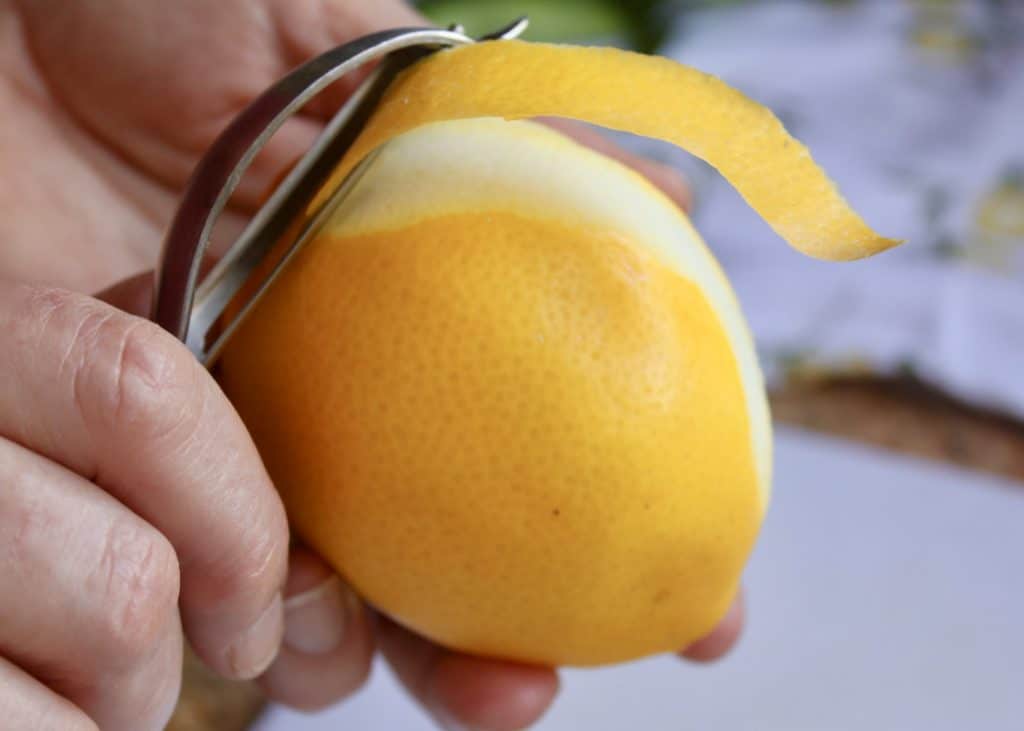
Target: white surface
(885, 594)
(918, 140)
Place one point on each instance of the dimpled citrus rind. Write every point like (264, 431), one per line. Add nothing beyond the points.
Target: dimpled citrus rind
(487, 164)
(520, 423)
(487, 479)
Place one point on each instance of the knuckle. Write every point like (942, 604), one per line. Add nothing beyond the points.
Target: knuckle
(122, 371)
(138, 582)
(130, 374)
(31, 520)
(152, 380)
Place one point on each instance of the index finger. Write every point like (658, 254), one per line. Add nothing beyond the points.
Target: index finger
(121, 402)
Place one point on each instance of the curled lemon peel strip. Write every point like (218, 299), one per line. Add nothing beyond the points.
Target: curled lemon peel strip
(644, 95)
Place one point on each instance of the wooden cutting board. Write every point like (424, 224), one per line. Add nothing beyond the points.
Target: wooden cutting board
(907, 417)
(898, 415)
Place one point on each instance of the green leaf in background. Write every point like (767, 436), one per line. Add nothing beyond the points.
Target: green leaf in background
(549, 21)
(638, 23)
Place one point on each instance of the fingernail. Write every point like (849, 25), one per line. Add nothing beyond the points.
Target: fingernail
(253, 652)
(315, 620)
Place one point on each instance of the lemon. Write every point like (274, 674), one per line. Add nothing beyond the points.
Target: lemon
(506, 390)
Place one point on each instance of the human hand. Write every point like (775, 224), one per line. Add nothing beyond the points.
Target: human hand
(125, 457)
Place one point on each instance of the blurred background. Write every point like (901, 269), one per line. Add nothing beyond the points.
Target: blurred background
(887, 591)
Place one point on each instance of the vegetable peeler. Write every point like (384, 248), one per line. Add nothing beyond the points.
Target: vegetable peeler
(204, 314)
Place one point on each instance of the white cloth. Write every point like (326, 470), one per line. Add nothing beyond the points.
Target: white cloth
(916, 109)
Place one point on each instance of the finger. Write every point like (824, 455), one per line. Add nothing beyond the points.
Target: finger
(310, 29)
(306, 30)
(328, 640)
(117, 400)
(464, 692)
(26, 703)
(133, 295)
(95, 614)
(722, 638)
(667, 178)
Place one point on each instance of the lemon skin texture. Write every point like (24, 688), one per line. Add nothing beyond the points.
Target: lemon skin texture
(507, 393)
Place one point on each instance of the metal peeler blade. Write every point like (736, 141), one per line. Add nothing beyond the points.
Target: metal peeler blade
(197, 313)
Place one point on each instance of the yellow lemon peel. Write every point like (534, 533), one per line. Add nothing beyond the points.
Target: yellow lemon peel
(645, 95)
